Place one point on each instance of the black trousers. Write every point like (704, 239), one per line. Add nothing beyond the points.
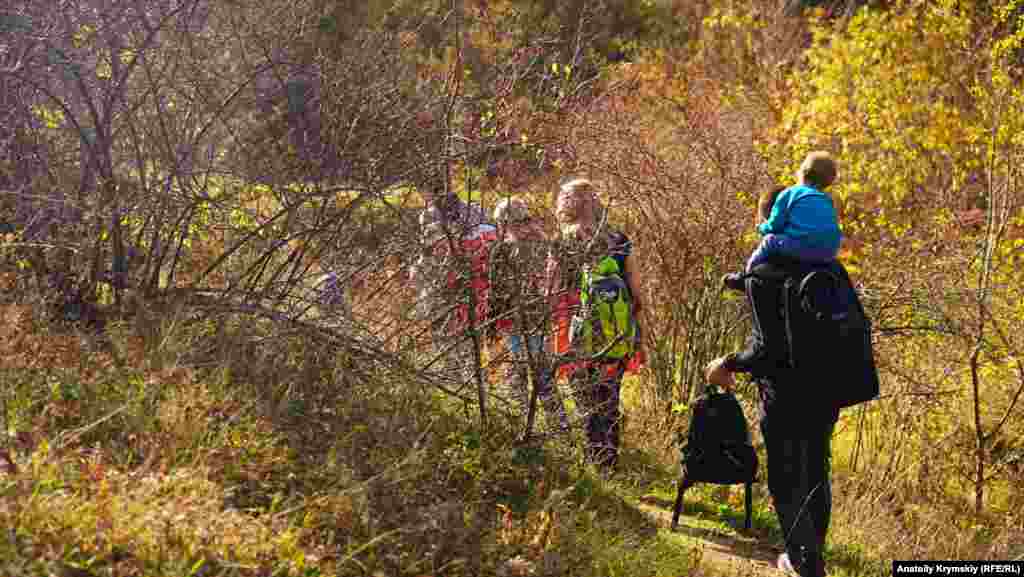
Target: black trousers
(597, 391)
(797, 430)
(799, 481)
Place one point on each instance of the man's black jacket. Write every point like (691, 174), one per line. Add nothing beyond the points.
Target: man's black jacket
(766, 356)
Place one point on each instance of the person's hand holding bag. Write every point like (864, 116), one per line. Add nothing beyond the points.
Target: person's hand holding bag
(718, 374)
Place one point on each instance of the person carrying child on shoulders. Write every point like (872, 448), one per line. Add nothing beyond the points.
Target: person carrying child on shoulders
(800, 231)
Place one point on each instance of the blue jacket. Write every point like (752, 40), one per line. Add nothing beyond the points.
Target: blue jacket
(805, 215)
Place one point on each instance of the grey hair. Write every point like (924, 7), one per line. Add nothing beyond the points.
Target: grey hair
(510, 209)
(583, 188)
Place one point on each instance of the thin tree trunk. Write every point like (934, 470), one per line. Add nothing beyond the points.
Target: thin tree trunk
(979, 435)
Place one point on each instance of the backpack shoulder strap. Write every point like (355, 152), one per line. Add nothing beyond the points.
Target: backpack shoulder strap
(819, 292)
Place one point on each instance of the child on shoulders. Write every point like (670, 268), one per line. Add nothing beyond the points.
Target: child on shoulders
(800, 222)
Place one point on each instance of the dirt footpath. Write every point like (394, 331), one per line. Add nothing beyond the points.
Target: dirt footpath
(716, 553)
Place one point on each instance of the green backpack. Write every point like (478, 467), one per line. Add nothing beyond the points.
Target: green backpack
(604, 327)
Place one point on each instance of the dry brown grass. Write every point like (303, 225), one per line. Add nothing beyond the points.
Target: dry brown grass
(292, 466)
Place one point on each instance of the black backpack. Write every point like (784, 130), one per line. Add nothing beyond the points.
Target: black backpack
(717, 448)
(828, 333)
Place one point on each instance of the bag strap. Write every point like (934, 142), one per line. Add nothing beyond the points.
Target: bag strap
(818, 283)
(787, 320)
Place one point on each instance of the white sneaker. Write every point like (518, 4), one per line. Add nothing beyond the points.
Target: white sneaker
(786, 566)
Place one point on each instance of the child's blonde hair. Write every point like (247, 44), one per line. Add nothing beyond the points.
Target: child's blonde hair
(819, 170)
